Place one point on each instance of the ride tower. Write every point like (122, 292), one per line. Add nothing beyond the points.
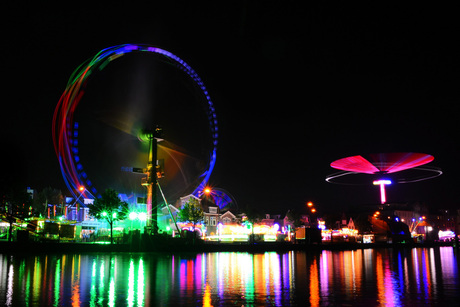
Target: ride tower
(152, 172)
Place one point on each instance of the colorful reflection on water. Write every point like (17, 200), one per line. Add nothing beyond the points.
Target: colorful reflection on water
(389, 277)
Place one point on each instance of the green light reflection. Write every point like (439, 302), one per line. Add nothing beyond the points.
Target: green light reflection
(101, 284)
(112, 297)
(93, 293)
(57, 282)
(140, 283)
(130, 297)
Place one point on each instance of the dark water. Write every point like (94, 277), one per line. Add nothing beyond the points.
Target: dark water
(373, 277)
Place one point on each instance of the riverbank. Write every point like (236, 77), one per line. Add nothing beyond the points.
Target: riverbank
(178, 245)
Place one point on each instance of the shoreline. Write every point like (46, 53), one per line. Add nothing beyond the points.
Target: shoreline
(183, 246)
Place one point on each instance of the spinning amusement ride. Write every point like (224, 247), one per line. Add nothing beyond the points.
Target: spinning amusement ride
(383, 169)
(123, 146)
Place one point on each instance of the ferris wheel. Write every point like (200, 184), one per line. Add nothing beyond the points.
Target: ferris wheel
(100, 138)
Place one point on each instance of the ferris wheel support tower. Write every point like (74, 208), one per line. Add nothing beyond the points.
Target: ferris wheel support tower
(153, 173)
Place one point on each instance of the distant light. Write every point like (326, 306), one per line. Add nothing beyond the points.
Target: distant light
(81, 188)
(313, 210)
(132, 215)
(309, 204)
(104, 213)
(397, 219)
(207, 191)
(142, 216)
(114, 215)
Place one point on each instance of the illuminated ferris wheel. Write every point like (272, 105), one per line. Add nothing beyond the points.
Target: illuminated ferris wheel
(148, 86)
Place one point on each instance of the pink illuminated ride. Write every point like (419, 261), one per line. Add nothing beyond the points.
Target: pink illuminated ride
(387, 168)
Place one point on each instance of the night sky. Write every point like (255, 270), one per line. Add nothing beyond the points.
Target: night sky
(295, 87)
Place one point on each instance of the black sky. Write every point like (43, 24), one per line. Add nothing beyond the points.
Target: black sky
(295, 87)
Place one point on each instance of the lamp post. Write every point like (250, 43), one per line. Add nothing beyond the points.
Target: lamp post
(312, 209)
(82, 189)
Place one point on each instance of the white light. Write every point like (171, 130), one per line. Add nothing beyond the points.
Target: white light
(382, 181)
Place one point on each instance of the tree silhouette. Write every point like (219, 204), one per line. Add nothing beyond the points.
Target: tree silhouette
(191, 212)
(295, 217)
(16, 203)
(47, 196)
(110, 208)
(253, 215)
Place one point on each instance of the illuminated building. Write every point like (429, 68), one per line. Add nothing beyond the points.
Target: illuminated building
(228, 218)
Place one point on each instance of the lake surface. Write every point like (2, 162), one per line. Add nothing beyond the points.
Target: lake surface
(371, 277)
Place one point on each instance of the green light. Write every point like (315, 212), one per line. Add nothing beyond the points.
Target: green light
(142, 216)
(132, 216)
(104, 213)
(114, 215)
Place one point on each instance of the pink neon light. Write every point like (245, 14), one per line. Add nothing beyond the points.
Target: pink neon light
(383, 162)
(356, 164)
(383, 197)
(382, 183)
(399, 161)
